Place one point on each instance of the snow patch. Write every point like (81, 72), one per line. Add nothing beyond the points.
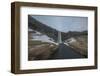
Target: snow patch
(42, 37)
(71, 40)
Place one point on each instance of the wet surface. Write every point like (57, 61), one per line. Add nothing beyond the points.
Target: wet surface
(65, 52)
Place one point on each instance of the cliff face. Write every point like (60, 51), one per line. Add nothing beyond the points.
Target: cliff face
(44, 29)
(51, 32)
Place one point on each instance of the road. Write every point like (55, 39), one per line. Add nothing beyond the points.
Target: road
(65, 52)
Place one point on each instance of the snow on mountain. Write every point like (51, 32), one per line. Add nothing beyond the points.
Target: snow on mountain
(70, 40)
(41, 37)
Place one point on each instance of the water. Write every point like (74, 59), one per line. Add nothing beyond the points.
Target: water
(65, 52)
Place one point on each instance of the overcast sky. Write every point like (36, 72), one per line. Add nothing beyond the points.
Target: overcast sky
(64, 23)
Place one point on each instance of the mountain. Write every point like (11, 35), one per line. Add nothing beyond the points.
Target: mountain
(70, 34)
(43, 28)
(51, 32)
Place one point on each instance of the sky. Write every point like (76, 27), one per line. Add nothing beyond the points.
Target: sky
(64, 23)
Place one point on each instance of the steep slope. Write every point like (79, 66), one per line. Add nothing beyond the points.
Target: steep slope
(44, 29)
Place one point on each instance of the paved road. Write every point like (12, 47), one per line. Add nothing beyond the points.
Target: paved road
(65, 52)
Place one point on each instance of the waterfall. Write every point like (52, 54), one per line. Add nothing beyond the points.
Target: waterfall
(59, 37)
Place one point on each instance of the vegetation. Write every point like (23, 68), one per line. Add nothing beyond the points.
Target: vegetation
(40, 50)
(80, 45)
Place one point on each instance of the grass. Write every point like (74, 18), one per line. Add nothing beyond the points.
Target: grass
(36, 42)
(81, 45)
(32, 43)
(38, 50)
